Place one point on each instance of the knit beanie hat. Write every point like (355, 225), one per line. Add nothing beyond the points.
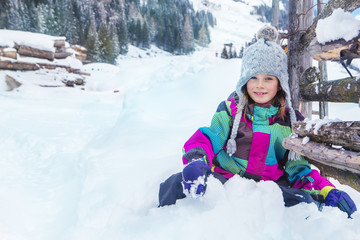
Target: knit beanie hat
(264, 56)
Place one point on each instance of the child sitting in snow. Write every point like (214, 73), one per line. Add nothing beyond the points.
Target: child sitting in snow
(245, 137)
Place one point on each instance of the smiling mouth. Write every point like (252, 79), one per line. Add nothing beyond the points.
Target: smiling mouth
(260, 93)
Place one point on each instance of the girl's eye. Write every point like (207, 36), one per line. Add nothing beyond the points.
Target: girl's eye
(253, 77)
(269, 78)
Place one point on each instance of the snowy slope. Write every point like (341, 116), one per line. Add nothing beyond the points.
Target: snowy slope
(87, 164)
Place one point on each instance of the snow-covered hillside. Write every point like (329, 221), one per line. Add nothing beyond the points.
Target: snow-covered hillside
(86, 164)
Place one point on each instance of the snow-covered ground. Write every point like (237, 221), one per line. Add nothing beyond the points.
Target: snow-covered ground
(87, 164)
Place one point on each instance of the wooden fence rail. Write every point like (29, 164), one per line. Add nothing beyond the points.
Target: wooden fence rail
(333, 147)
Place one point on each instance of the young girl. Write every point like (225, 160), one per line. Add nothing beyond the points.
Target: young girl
(246, 134)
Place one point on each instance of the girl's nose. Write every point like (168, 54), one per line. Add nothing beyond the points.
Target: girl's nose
(260, 84)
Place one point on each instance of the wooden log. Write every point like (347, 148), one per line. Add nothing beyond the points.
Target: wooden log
(344, 177)
(332, 165)
(79, 49)
(77, 71)
(330, 51)
(11, 82)
(79, 81)
(83, 73)
(342, 90)
(81, 57)
(340, 159)
(311, 75)
(67, 68)
(33, 52)
(16, 65)
(68, 83)
(298, 61)
(8, 52)
(345, 134)
(26, 66)
(62, 54)
(59, 43)
(310, 34)
(50, 66)
(80, 52)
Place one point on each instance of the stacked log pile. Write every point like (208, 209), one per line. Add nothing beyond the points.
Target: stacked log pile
(333, 147)
(21, 57)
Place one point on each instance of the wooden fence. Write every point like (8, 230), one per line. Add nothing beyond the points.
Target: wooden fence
(333, 147)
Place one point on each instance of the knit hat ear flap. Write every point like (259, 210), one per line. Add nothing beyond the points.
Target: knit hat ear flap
(231, 144)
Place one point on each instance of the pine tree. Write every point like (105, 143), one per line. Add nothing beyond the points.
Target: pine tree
(92, 43)
(210, 19)
(187, 36)
(109, 43)
(204, 37)
(122, 28)
(138, 30)
(132, 31)
(122, 36)
(14, 16)
(114, 48)
(152, 29)
(224, 53)
(241, 53)
(3, 14)
(105, 43)
(145, 40)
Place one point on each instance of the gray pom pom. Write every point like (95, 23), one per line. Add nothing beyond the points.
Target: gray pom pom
(231, 147)
(269, 33)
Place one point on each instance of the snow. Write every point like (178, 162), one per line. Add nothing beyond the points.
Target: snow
(86, 164)
(318, 123)
(305, 140)
(347, 27)
(34, 40)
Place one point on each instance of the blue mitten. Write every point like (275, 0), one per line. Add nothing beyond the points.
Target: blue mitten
(194, 177)
(340, 199)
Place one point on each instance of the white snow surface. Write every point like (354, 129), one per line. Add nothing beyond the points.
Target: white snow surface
(87, 164)
(34, 40)
(347, 27)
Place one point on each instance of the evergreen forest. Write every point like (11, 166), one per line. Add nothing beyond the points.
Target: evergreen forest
(107, 27)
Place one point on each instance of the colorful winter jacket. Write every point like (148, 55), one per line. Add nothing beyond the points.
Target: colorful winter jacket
(260, 154)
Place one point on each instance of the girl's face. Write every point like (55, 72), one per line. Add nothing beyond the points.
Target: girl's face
(262, 88)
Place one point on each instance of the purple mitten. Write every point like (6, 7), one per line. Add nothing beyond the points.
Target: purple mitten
(342, 200)
(194, 178)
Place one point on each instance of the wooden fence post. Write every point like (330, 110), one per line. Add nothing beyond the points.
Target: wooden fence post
(275, 13)
(293, 51)
(323, 106)
(299, 60)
